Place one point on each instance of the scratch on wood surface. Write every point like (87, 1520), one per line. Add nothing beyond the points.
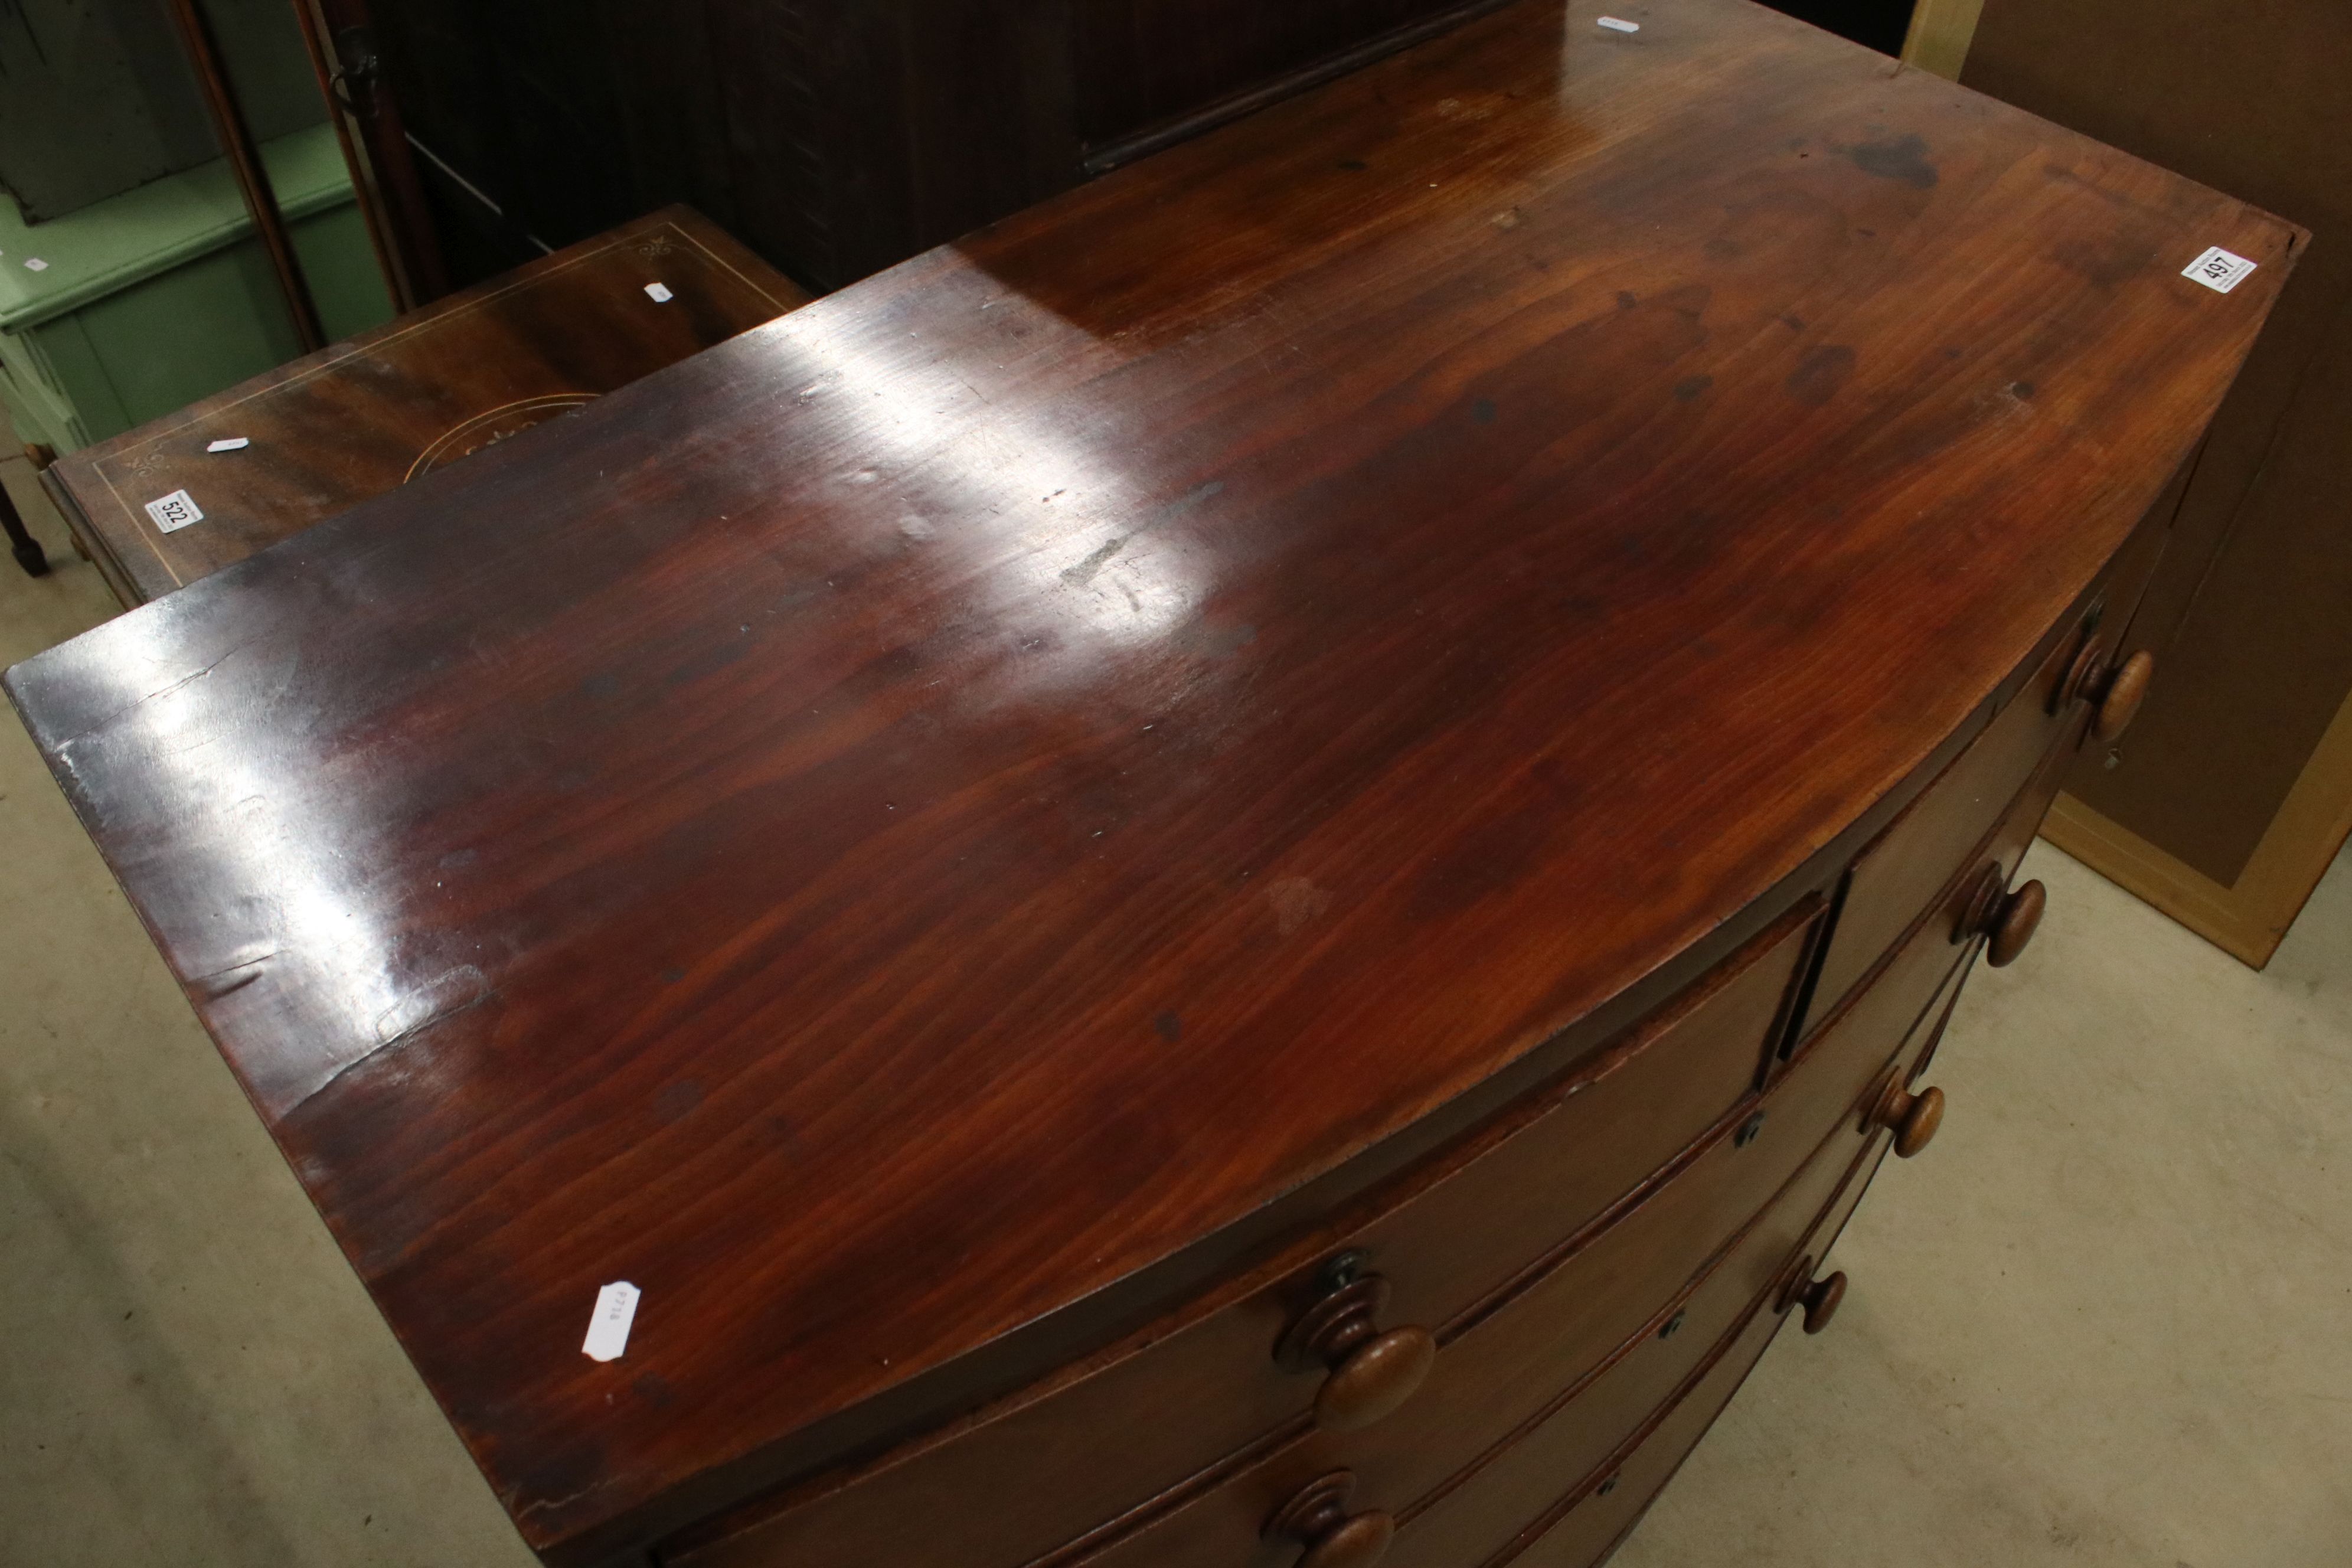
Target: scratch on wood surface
(186, 680)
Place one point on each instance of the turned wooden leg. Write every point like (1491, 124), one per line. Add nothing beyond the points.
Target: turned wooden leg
(26, 549)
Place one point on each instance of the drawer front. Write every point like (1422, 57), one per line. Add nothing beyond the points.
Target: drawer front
(1065, 1463)
(2000, 852)
(1602, 1511)
(1607, 1293)
(2135, 568)
(1915, 971)
(1914, 976)
(1588, 1525)
(1478, 1517)
(1899, 875)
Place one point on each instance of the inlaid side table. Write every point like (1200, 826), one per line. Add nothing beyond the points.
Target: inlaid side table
(182, 496)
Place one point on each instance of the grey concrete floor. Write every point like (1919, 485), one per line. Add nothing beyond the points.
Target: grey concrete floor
(2105, 1319)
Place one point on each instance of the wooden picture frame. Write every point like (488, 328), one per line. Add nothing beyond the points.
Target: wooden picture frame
(2246, 919)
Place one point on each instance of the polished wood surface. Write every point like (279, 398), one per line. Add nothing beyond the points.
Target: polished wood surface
(333, 429)
(2122, 689)
(838, 137)
(1914, 858)
(904, 832)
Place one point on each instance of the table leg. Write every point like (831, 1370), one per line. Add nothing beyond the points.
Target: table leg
(26, 549)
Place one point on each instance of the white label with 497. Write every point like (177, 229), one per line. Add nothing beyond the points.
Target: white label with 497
(2219, 270)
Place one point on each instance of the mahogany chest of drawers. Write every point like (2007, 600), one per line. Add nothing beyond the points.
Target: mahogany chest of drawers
(1244, 872)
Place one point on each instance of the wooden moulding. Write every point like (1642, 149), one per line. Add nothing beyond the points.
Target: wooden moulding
(2249, 918)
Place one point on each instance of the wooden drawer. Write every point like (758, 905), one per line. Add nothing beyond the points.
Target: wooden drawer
(2135, 568)
(2002, 851)
(1067, 1462)
(1918, 970)
(1588, 1524)
(1898, 875)
(1592, 1304)
(1473, 1521)
(1914, 976)
(1485, 1517)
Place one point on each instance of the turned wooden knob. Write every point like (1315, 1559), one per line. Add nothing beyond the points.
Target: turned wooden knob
(2121, 693)
(1820, 1298)
(1319, 1519)
(2115, 689)
(2006, 919)
(1371, 1371)
(1912, 1118)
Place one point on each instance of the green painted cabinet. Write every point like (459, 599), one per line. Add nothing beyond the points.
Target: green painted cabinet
(153, 299)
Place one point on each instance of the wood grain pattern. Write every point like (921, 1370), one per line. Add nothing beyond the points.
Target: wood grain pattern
(1579, 1324)
(333, 429)
(863, 132)
(1149, 73)
(921, 815)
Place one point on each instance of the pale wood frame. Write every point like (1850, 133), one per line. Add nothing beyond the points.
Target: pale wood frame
(2248, 918)
(1941, 31)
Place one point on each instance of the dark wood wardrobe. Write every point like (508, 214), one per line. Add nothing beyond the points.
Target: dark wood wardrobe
(837, 136)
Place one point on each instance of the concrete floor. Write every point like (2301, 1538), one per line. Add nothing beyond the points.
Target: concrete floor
(2107, 1319)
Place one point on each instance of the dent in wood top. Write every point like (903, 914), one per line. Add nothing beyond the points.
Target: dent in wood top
(882, 830)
